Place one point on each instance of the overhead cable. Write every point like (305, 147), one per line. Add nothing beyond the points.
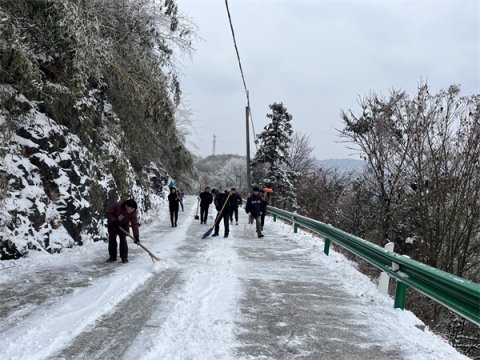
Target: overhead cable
(241, 71)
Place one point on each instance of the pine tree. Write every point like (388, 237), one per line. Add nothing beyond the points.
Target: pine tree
(270, 165)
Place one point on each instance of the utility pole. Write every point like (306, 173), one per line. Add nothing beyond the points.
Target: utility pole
(214, 140)
(249, 174)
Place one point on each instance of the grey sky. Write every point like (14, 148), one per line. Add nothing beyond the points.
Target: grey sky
(317, 57)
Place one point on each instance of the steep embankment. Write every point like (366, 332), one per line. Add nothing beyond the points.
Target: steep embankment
(88, 99)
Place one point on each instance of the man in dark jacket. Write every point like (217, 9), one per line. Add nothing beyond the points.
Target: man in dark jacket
(220, 200)
(121, 215)
(236, 201)
(206, 198)
(173, 201)
(254, 209)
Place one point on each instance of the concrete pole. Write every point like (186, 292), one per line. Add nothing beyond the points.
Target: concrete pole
(384, 280)
(249, 174)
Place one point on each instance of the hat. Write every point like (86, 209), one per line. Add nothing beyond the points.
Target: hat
(255, 188)
(214, 191)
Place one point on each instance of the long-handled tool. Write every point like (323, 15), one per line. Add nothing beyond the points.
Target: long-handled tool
(219, 215)
(152, 255)
(196, 215)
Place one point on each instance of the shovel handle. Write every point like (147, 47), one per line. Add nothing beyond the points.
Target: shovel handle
(152, 255)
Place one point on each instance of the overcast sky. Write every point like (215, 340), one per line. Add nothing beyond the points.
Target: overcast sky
(318, 57)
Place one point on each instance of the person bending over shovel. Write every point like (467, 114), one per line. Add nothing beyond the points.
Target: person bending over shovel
(121, 215)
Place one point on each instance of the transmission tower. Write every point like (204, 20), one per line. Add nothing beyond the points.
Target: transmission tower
(214, 141)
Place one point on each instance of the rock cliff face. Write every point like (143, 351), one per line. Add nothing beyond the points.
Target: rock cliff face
(89, 95)
(54, 189)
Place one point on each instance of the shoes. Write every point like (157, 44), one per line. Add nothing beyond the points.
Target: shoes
(215, 235)
(110, 260)
(225, 236)
(175, 225)
(236, 223)
(261, 236)
(124, 260)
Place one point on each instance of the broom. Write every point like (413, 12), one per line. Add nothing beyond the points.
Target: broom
(219, 215)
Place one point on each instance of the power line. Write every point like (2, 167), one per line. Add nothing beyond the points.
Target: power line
(241, 71)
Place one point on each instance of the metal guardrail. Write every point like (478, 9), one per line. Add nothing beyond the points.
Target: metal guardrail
(458, 294)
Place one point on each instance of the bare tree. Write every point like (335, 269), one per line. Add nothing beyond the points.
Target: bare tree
(300, 159)
(378, 133)
(444, 158)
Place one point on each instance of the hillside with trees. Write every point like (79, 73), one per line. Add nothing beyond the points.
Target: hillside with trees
(89, 99)
(223, 172)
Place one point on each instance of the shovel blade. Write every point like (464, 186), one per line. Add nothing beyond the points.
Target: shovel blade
(209, 231)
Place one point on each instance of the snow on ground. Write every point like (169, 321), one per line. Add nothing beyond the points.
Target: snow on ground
(196, 317)
(396, 326)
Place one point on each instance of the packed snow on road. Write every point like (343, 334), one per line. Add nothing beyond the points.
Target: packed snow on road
(239, 297)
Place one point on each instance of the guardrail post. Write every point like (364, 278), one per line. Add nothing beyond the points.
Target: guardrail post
(326, 248)
(274, 218)
(384, 280)
(295, 225)
(400, 294)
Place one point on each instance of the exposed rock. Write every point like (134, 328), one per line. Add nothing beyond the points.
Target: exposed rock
(56, 189)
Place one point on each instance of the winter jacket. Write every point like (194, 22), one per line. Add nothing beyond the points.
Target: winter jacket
(173, 201)
(236, 200)
(118, 209)
(220, 200)
(254, 205)
(206, 199)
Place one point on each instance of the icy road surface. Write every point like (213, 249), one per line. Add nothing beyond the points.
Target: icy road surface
(242, 297)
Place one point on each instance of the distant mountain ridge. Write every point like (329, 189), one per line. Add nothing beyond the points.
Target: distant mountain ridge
(342, 165)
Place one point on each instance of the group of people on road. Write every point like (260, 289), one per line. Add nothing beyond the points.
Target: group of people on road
(227, 204)
(123, 214)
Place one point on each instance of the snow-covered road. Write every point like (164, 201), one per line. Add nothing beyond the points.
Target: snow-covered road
(278, 297)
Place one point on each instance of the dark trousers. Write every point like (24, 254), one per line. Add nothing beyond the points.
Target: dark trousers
(174, 216)
(226, 224)
(203, 214)
(112, 243)
(235, 211)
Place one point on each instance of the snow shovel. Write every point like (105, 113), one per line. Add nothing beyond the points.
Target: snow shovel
(219, 215)
(152, 255)
(196, 215)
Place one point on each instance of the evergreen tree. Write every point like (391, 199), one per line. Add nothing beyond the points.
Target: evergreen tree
(270, 165)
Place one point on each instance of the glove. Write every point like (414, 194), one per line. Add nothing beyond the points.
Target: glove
(137, 239)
